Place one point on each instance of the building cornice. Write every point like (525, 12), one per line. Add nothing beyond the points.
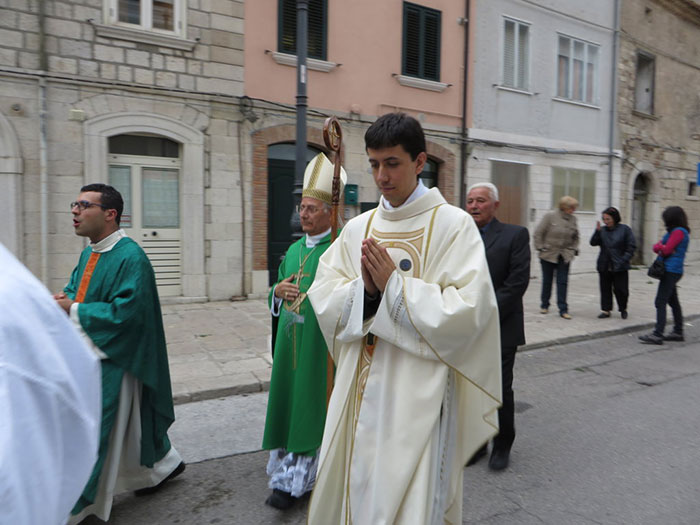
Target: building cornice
(689, 10)
(145, 37)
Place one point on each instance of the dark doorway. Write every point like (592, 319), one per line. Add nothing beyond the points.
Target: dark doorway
(280, 201)
(639, 205)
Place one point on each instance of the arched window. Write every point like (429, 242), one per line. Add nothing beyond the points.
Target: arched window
(145, 169)
(189, 160)
(11, 169)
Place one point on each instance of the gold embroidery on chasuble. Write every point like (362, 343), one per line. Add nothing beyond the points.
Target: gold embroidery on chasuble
(406, 243)
(409, 242)
(293, 308)
(415, 245)
(405, 246)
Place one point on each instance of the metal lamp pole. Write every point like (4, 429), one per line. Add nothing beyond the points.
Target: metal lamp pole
(302, 32)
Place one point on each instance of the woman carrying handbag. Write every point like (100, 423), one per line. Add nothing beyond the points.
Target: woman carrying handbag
(672, 248)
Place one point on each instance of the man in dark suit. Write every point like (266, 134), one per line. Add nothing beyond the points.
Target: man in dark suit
(508, 254)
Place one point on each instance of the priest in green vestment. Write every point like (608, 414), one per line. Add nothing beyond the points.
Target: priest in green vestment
(112, 298)
(302, 371)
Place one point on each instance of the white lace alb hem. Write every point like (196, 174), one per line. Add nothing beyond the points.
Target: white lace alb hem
(291, 472)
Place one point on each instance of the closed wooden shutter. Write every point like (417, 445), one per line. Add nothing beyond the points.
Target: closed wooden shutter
(421, 42)
(316, 37)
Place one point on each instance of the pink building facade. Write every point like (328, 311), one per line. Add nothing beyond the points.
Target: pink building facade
(365, 59)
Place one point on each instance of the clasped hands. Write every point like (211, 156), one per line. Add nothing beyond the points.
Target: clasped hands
(63, 301)
(377, 266)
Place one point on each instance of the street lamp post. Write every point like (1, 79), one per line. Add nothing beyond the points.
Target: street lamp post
(301, 41)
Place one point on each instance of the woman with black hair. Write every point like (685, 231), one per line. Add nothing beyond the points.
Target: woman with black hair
(617, 246)
(671, 249)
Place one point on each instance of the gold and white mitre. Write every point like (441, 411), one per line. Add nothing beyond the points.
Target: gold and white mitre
(318, 179)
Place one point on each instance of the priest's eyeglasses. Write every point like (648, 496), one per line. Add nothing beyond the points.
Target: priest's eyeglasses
(84, 205)
(311, 209)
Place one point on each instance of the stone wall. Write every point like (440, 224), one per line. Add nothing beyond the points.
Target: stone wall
(194, 81)
(80, 44)
(663, 146)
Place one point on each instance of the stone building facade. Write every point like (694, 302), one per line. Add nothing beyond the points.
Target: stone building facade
(659, 116)
(146, 98)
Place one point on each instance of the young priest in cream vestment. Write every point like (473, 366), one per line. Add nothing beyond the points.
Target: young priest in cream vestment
(405, 302)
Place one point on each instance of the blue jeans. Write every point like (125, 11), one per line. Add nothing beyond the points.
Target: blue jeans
(667, 294)
(562, 269)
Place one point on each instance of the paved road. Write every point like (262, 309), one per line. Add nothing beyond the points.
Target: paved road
(607, 434)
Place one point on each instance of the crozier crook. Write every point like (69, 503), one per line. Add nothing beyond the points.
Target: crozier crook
(333, 137)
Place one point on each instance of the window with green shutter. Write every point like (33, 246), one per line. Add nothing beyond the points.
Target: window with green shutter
(287, 28)
(421, 42)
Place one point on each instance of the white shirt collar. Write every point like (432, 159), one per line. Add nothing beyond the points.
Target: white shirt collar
(313, 240)
(418, 192)
(108, 242)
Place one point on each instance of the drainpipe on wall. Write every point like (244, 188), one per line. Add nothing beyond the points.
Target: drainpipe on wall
(613, 99)
(43, 164)
(243, 210)
(463, 132)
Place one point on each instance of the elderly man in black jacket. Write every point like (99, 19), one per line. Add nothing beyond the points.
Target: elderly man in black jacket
(508, 254)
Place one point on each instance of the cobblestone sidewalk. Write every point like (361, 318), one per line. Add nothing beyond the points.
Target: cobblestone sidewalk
(221, 348)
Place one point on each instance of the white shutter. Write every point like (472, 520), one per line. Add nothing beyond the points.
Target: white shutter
(523, 51)
(509, 54)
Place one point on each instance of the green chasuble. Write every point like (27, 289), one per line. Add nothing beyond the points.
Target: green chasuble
(121, 314)
(296, 407)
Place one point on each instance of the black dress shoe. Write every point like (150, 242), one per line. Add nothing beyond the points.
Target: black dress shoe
(499, 459)
(150, 490)
(651, 339)
(280, 499)
(477, 456)
(623, 314)
(603, 315)
(674, 336)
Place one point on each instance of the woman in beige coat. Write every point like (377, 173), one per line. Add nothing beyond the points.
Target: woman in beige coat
(556, 241)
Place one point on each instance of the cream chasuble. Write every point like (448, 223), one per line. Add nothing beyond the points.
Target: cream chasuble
(405, 416)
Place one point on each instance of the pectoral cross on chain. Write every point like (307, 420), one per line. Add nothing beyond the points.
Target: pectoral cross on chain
(295, 306)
